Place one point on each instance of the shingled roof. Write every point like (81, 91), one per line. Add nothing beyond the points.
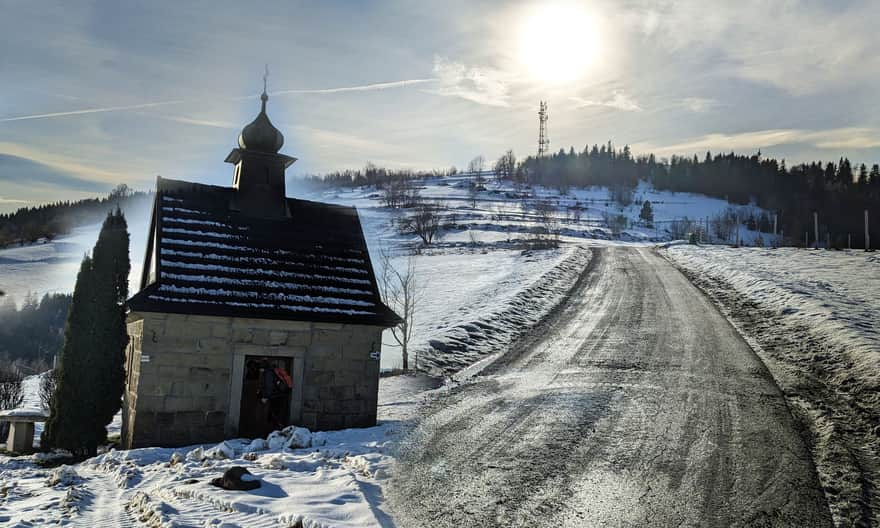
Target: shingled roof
(205, 257)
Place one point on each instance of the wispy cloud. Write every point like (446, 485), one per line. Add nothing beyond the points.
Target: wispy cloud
(483, 86)
(618, 101)
(142, 106)
(699, 104)
(838, 138)
(75, 168)
(359, 88)
(211, 123)
(90, 111)
(12, 201)
(15, 169)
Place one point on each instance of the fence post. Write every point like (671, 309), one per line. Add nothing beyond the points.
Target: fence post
(816, 228)
(867, 233)
(775, 219)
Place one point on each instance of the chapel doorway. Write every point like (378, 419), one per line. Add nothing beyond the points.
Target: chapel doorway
(262, 413)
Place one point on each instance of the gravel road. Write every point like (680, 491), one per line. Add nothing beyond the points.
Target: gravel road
(637, 404)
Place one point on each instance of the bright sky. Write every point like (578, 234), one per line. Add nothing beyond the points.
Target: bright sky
(95, 94)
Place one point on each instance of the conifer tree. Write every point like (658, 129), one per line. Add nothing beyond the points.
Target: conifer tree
(91, 373)
(647, 213)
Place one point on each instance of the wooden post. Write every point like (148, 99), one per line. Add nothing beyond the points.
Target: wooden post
(806, 239)
(775, 218)
(867, 233)
(849, 241)
(816, 228)
(828, 240)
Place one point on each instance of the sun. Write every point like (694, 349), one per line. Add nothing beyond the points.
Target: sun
(558, 42)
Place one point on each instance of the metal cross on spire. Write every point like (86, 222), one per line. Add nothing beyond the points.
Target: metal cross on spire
(266, 79)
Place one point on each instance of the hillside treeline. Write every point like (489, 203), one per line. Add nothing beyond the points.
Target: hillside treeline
(30, 224)
(32, 334)
(838, 192)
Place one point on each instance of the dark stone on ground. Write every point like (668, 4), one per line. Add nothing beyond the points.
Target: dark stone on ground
(231, 480)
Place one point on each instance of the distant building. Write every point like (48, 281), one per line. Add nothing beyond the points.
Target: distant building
(242, 278)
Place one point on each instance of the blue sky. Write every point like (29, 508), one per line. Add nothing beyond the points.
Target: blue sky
(99, 93)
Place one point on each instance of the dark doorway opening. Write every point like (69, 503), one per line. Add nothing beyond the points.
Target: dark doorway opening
(263, 409)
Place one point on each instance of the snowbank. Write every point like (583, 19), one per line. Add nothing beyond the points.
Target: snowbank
(501, 321)
(319, 479)
(814, 318)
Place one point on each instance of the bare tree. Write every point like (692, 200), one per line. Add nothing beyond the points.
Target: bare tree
(505, 167)
(400, 289)
(546, 212)
(11, 393)
(476, 166)
(472, 195)
(47, 388)
(426, 222)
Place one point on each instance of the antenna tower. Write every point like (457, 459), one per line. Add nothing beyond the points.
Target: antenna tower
(543, 138)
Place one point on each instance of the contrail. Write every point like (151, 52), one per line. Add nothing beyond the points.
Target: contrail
(90, 111)
(360, 88)
(357, 88)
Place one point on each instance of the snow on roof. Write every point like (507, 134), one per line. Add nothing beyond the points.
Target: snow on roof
(213, 260)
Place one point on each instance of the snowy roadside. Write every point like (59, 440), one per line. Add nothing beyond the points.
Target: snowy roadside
(308, 479)
(495, 321)
(812, 318)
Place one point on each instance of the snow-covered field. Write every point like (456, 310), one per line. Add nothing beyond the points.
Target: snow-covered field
(480, 288)
(814, 318)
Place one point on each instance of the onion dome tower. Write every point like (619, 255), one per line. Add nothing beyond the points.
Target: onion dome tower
(259, 168)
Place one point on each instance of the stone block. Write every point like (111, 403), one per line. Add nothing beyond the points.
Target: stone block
(310, 420)
(311, 405)
(299, 338)
(330, 422)
(175, 404)
(178, 327)
(359, 420)
(325, 351)
(201, 373)
(215, 419)
(330, 406)
(277, 337)
(181, 388)
(221, 330)
(342, 393)
(163, 419)
(217, 361)
(366, 390)
(328, 326)
(261, 336)
(149, 403)
(204, 403)
(351, 406)
(348, 378)
(212, 345)
(320, 378)
(355, 353)
(311, 392)
(334, 337)
(242, 335)
(189, 419)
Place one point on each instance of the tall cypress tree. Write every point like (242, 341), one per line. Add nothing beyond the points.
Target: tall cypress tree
(91, 370)
(111, 266)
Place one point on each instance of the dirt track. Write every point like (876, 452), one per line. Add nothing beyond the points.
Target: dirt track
(637, 405)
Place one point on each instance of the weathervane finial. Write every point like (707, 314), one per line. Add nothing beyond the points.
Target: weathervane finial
(266, 79)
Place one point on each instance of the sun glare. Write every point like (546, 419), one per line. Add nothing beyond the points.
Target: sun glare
(558, 43)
